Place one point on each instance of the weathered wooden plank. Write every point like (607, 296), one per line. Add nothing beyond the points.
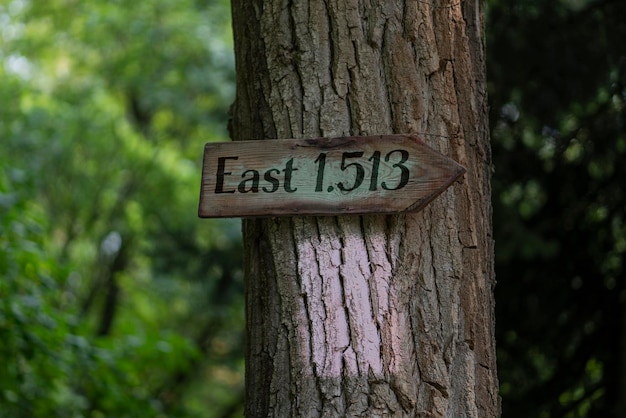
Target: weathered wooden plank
(322, 176)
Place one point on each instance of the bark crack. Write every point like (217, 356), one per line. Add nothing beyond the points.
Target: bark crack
(439, 387)
(331, 48)
(343, 290)
(297, 56)
(310, 325)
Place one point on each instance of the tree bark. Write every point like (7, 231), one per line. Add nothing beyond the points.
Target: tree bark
(388, 316)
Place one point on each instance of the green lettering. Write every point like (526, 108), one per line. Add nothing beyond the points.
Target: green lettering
(274, 181)
(221, 166)
(254, 182)
(288, 173)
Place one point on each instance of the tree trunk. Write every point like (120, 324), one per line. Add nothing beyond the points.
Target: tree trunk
(387, 316)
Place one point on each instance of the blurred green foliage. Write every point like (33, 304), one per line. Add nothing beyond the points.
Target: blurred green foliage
(116, 300)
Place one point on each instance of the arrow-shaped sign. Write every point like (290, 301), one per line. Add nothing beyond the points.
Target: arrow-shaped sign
(322, 176)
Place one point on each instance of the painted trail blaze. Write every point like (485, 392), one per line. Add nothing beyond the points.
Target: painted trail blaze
(322, 176)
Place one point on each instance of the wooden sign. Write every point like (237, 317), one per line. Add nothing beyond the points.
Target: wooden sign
(322, 176)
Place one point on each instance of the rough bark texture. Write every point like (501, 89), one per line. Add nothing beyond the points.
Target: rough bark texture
(388, 316)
